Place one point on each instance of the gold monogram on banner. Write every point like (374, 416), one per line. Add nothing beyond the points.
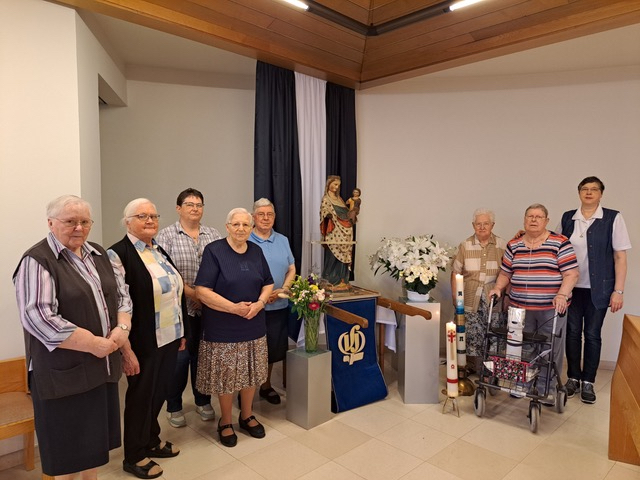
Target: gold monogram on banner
(351, 345)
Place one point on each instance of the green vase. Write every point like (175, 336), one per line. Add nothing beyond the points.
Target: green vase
(311, 333)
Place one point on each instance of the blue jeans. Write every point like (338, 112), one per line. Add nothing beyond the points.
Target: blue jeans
(584, 318)
(186, 361)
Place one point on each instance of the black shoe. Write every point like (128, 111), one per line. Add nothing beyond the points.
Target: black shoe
(572, 386)
(141, 471)
(227, 440)
(256, 431)
(270, 395)
(587, 395)
(165, 452)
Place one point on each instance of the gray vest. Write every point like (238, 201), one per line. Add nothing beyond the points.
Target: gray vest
(64, 372)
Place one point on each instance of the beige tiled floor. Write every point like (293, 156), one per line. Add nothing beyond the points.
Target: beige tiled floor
(389, 440)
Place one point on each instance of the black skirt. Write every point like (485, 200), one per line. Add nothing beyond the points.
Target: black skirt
(75, 433)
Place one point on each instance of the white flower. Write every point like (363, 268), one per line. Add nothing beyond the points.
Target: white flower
(415, 259)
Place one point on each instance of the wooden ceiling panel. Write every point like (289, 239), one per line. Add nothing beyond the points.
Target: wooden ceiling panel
(357, 10)
(329, 46)
(385, 11)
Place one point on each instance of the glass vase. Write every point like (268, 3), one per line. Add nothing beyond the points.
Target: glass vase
(311, 323)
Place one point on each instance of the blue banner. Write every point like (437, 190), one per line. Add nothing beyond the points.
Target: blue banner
(355, 374)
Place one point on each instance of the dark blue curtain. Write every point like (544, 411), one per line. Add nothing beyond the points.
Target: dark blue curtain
(276, 157)
(342, 150)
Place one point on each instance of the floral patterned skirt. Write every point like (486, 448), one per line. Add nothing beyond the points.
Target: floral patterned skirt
(225, 368)
(476, 326)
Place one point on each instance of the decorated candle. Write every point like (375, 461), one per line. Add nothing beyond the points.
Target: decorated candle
(452, 362)
(461, 341)
(459, 294)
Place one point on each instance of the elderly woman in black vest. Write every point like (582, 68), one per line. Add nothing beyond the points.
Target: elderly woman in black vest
(157, 332)
(600, 239)
(76, 314)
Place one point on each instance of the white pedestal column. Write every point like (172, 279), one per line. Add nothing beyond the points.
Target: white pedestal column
(419, 355)
(308, 387)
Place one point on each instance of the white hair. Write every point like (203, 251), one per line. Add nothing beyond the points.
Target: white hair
(131, 208)
(57, 205)
(263, 202)
(484, 211)
(239, 211)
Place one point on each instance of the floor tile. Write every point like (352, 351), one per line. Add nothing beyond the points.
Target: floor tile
(377, 460)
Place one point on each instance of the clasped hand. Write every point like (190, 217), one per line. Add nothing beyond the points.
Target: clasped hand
(248, 310)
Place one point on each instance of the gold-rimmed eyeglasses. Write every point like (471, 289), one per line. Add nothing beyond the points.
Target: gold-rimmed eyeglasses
(265, 214)
(143, 217)
(238, 225)
(86, 224)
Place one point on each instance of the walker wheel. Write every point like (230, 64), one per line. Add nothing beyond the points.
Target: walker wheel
(561, 400)
(479, 402)
(534, 417)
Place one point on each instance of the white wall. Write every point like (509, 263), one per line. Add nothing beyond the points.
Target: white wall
(171, 137)
(430, 154)
(49, 143)
(39, 135)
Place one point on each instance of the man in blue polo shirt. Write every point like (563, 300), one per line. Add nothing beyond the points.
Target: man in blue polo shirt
(277, 251)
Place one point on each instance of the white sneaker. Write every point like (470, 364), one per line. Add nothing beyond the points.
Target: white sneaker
(206, 413)
(176, 419)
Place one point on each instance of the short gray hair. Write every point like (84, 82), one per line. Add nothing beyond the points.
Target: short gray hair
(263, 202)
(239, 211)
(57, 205)
(537, 206)
(131, 208)
(484, 211)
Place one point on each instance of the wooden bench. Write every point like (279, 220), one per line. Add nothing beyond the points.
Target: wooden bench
(624, 412)
(16, 408)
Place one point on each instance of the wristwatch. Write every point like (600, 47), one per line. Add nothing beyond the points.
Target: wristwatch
(124, 327)
(621, 292)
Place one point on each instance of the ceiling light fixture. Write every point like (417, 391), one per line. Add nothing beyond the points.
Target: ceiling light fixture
(297, 3)
(462, 4)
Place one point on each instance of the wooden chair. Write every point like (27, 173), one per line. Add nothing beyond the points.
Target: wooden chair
(16, 408)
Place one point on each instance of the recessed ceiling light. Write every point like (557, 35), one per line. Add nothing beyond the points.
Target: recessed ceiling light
(297, 3)
(461, 4)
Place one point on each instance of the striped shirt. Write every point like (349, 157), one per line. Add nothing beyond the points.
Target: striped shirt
(480, 267)
(36, 295)
(536, 274)
(186, 254)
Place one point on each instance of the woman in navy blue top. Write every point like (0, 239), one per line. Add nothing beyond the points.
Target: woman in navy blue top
(233, 284)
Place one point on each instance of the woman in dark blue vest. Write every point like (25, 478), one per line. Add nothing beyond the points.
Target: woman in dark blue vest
(600, 239)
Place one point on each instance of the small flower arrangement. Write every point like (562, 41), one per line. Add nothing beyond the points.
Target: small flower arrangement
(416, 260)
(308, 299)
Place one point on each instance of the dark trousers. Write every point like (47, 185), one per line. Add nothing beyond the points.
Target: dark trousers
(187, 362)
(541, 322)
(584, 319)
(143, 402)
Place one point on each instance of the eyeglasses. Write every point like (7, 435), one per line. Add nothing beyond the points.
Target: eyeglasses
(193, 205)
(589, 190)
(238, 226)
(483, 224)
(265, 214)
(143, 217)
(534, 217)
(86, 224)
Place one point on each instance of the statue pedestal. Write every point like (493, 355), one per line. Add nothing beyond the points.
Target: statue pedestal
(308, 387)
(419, 355)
